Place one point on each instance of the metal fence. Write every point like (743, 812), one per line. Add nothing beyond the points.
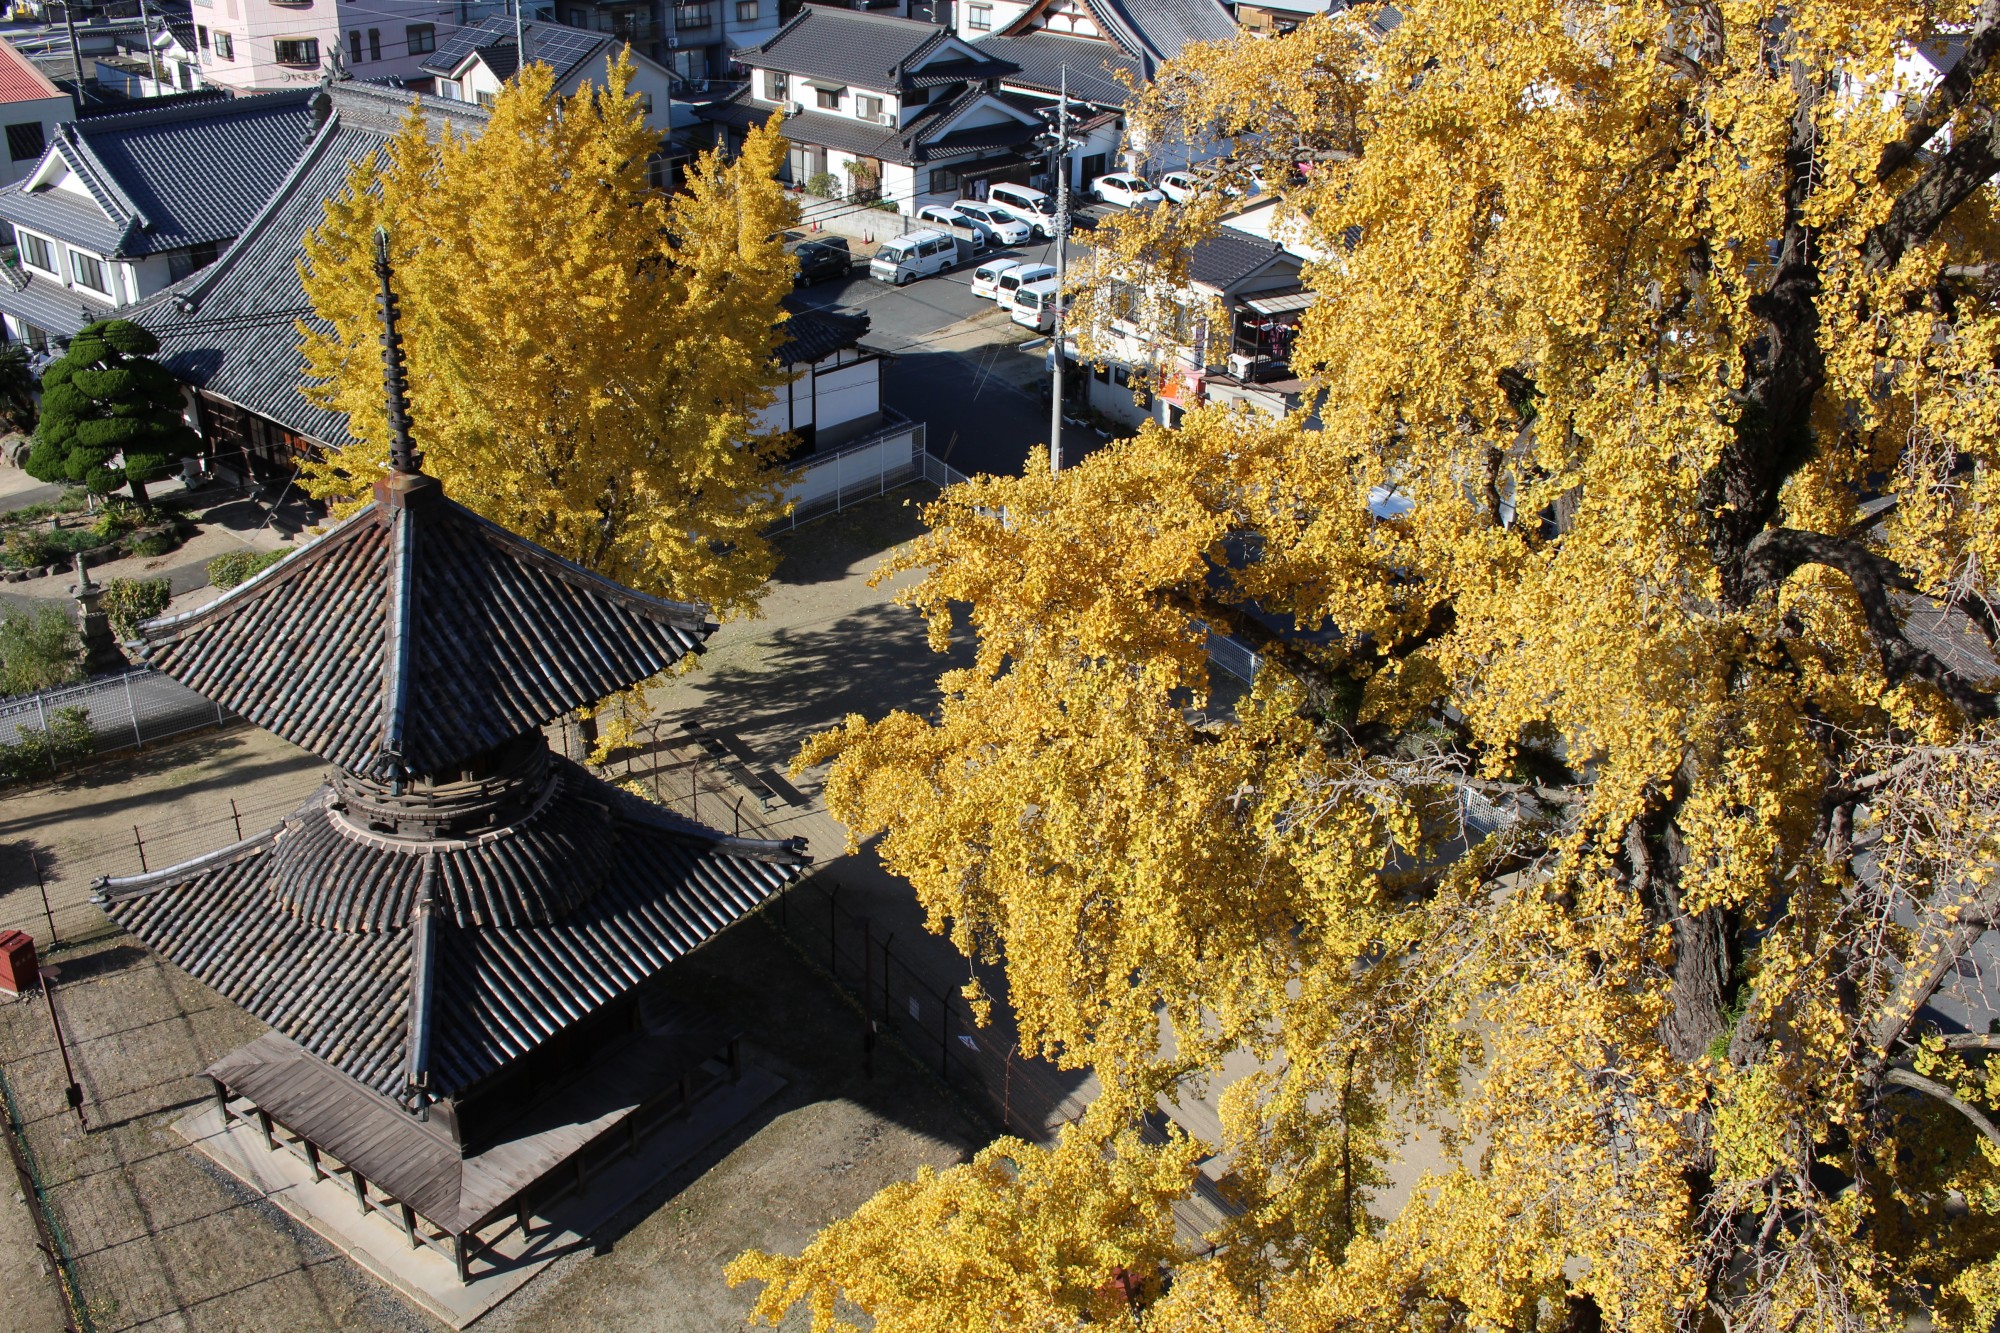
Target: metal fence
(130, 708)
(874, 465)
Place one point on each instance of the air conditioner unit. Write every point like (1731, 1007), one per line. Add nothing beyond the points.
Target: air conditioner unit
(673, 43)
(794, 108)
(1240, 364)
(886, 118)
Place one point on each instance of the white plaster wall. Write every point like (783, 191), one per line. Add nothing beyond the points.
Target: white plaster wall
(48, 112)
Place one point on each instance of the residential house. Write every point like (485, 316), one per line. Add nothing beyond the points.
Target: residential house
(888, 108)
(255, 45)
(31, 106)
(122, 205)
(1255, 283)
(694, 38)
(835, 395)
(156, 62)
(477, 60)
(1275, 18)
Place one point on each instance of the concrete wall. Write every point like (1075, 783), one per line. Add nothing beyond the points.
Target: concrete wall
(48, 112)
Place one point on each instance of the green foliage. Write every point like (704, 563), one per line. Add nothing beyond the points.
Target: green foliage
(39, 650)
(72, 501)
(822, 183)
(17, 388)
(104, 400)
(129, 601)
(153, 543)
(119, 517)
(26, 548)
(37, 752)
(226, 571)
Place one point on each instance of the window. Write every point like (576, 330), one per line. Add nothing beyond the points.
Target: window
(980, 18)
(36, 252)
(693, 16)
(225, 46)
(374, 43)
(578, 19)
(88, 272)
(829, 98)
(422, 37)
(354, 47)
(201, 35)
(645, 104)
(944, 180)
(746, 11)
(777, 87)
(24, 141)
(296, 50)
(486, 99)
(868, 108)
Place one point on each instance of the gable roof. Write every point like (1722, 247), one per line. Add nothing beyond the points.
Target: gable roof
(1225, 258)
(565, 50)
(878, 51)
(813, 335)
(1093, 65)
(927, 139)
(233, 328)
(164, 178)
(1153, 30)
(20, 80)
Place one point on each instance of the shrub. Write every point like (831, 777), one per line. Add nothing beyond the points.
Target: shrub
(39, 650)
(226, 571)
(119, 517)
(26, 548)
(129, 601)
(152, 543)
(822, 183)
(36, 752)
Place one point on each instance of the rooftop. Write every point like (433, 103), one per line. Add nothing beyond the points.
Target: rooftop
(1093, 66)
(879, 51)
(1153, 30)
(20, 80)
(563, 49)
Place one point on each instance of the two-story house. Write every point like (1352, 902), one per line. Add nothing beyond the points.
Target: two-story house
(30, 109)
(882, 108)
(120, 206)
(475, 61)
(694, 38)
(253, 45)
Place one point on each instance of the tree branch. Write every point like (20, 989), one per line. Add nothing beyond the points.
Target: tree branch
(1972, 1041)
(1932, 1088)
(1929, 116)
(1774, 555)
(1941, 187)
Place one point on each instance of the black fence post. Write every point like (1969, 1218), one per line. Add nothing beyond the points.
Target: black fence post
(140, 843)
(944, 1042)
(238, 817)
(35, 860)
(868, 998)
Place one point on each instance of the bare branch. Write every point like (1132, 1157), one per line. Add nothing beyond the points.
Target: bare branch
(1932, 1088)
(1972, 1041)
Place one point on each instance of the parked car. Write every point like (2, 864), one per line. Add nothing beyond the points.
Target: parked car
(821, 259)
(1125, 190)
(1000, 229)
(1034, 304)
(947, 217)
(1026, 205)
(1180, 186)
(986, 278)
(1015, 278)
(917, 255)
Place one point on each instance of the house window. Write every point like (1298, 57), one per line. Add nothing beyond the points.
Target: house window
(645, 104)
(24, 141)
(87, 272)
(374, 43)
(225, 46)
(693, 16)
(746, 11)
(37, 253)
(829, 98)
(486, 99)
(979, 18)
(422, 37)
(777, 87)
(354, 47)
(201, 35)
(297, 50)
(868, 108)
(944, 181)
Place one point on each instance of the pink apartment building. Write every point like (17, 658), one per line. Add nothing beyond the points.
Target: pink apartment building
(247, 45)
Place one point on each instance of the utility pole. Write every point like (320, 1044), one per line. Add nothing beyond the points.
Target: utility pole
(75, 48)
(1062, 271)
(520, 41)
(152, 53)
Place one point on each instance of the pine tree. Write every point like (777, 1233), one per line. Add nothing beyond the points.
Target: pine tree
(105, 399)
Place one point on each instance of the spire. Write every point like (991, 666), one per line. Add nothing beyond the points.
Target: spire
(403, 456)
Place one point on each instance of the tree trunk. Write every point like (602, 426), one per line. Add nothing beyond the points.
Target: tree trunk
(138, 488)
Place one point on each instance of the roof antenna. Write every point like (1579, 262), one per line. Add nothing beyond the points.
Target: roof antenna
(403, 456)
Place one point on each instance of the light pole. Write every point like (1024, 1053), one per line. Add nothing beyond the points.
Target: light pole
(1061, 163)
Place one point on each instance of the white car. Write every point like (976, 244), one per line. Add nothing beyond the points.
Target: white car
(1026, 204)
(1179, 186)
(948, 217)
(1034, 305)
(998, 227)
(1125, 189)
(986, 278)
(1016, 278)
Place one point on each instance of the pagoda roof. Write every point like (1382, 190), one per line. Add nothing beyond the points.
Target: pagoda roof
(432, 964)
(414, 636)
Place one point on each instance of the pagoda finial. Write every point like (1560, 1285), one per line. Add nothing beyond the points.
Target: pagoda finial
(403, 456)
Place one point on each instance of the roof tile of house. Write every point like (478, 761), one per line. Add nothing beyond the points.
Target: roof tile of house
(20, 81)
(867, 50)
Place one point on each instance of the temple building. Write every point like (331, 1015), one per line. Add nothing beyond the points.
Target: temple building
(453, 940)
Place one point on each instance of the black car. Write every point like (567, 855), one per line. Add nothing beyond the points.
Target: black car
(825, 258)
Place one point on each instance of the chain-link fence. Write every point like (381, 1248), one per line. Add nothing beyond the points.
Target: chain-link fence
(124, 710)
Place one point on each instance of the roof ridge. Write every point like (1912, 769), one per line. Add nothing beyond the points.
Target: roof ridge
(167, 629)
(96, 177)
(201, 108)
(123, 888)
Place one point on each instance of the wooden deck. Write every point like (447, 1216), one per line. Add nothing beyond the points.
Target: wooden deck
(306, 1105)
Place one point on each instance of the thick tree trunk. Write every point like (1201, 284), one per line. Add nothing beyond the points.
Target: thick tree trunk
(1703, 952)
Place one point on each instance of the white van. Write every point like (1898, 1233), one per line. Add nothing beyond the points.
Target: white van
(1035, 305)
(1018, 277)
(1028, 205)
(917, 255)
(986, 278)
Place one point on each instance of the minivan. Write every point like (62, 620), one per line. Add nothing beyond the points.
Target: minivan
(1029, 205)
(986, 278)
(1014, 279)
(917, 255)
(1035, 305)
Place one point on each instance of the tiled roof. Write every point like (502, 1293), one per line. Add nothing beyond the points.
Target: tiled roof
(166, 178)
(563, 49)
(860, 48)
(20, 81)
(813, 335)
(1093, 65)
(1152, 30)
(660, 888)
(49, 306)
(926, 140)
(410, 638)
(1224, 258)
(232, 329)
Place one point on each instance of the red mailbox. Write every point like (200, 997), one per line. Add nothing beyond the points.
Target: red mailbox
(17, 961)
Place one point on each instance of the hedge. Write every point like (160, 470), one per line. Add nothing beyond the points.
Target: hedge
(226, 571)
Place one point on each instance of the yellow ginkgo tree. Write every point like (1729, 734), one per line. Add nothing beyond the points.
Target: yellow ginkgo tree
(587, 355)
(1618, 804)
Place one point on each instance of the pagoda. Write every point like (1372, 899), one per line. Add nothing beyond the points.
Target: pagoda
(452, 940)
